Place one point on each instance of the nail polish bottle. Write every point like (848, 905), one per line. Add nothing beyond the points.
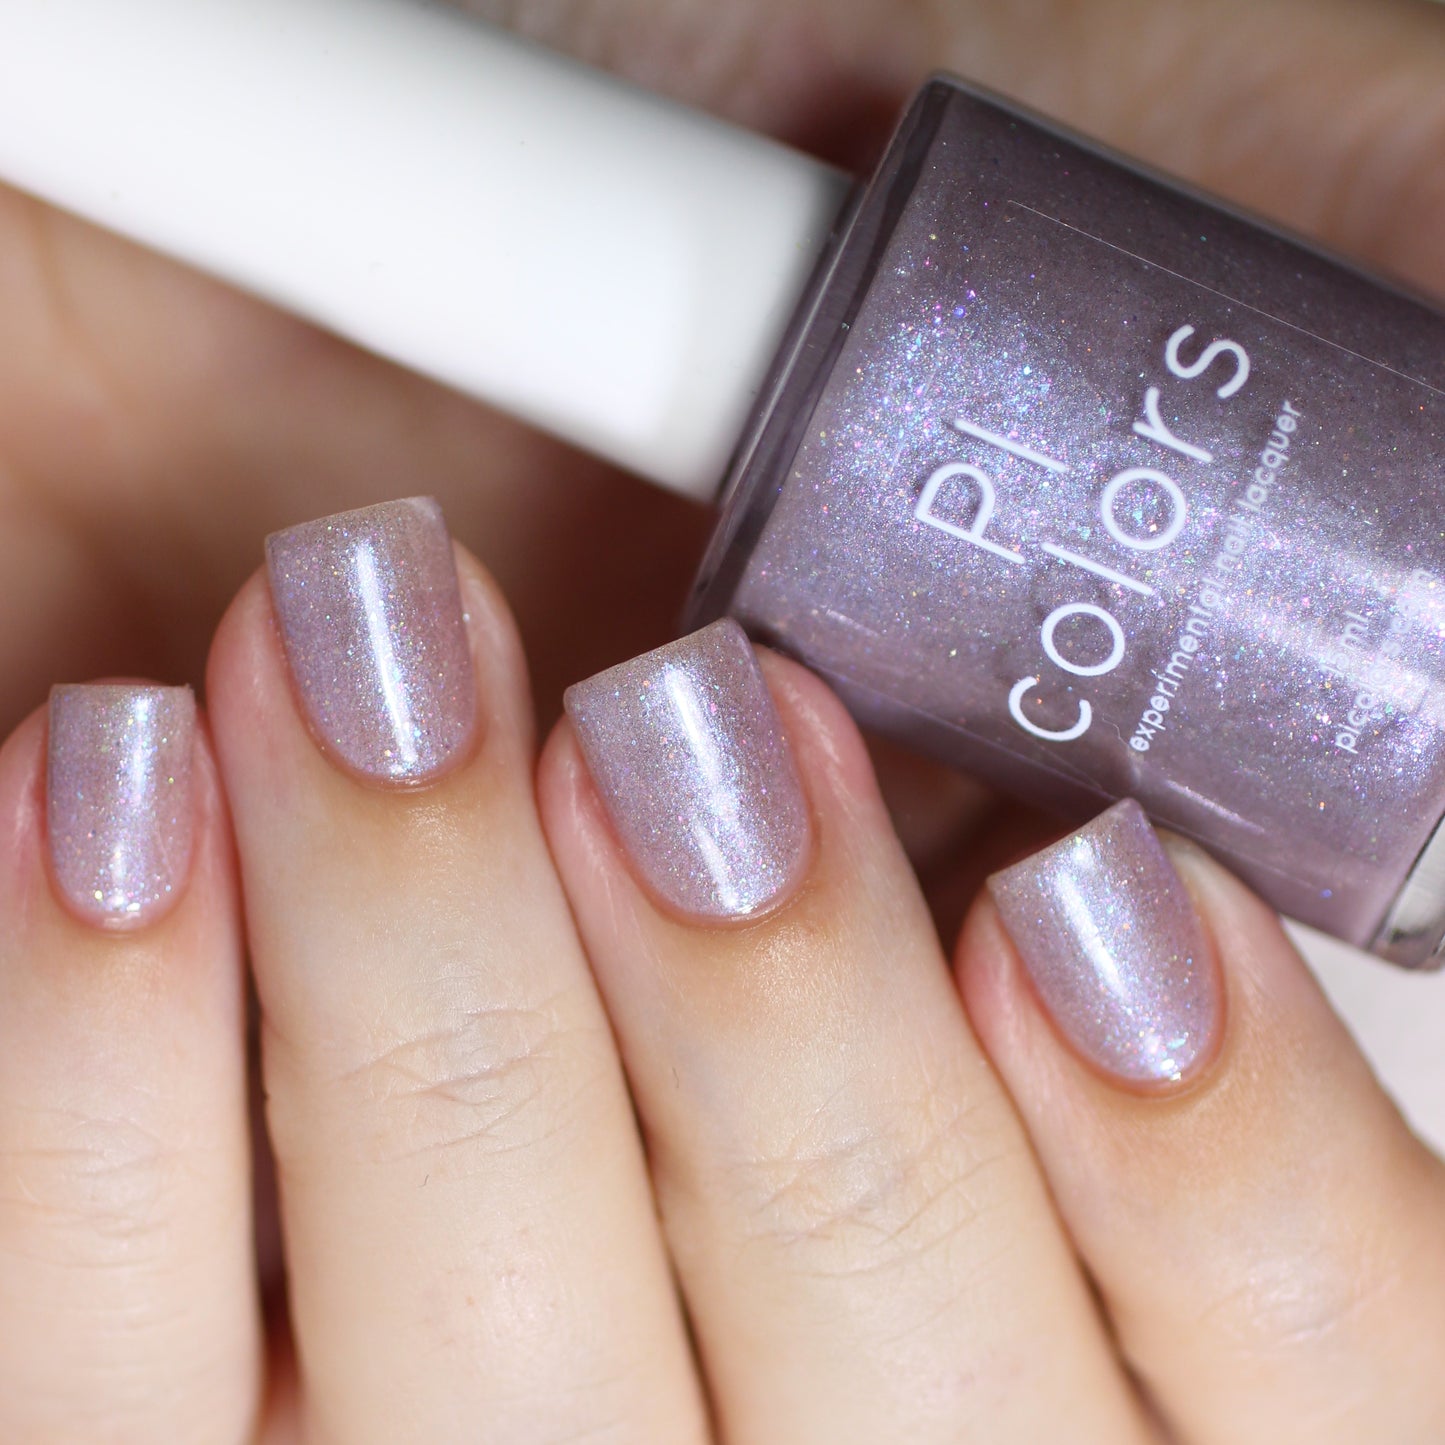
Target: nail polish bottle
(1059, 472)
(1079, 482)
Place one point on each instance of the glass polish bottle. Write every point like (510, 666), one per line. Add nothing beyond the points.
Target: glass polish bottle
(1095, 489)
(1059, 472)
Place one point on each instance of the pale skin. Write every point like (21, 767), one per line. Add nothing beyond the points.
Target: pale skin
(526, 1121)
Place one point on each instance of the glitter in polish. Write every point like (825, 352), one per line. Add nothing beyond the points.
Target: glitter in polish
(371, 618)
(1109, 934)
(1015, 525)
(118, 799)
(689, 756)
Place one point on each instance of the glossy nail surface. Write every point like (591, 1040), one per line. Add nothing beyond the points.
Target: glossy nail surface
(371, 617)
(689, 756)
(1110, 936)
(118, 799)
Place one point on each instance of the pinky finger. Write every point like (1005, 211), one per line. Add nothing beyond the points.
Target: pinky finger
(1264, 1229)
(127, 1302)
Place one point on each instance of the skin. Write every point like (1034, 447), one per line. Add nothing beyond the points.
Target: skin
(871, 1239)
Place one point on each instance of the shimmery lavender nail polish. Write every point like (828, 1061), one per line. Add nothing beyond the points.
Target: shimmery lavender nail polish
(118, 799)
(1109, 935)
(1087, 486)
(688, 753)
(371, 617)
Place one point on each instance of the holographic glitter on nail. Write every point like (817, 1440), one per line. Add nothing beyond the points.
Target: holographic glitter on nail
(119, 814)
(371, 617)
(1110, 937)
(689, 756)
(1099, 492)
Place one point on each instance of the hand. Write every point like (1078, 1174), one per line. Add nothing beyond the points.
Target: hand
(1121, 1158)
(154, 426)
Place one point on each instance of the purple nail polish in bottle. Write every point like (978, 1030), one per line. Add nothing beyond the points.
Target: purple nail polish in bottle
(1095, 489)
(1069, 477)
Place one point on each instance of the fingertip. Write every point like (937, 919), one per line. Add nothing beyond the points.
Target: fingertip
(633, 770)
(1268, 999)
(687, 750)
(120, 801)
(358, 706)
(1116, 952)
(113, 822)
(1273, 1192)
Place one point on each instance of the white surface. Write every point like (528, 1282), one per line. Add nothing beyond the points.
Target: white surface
(612, 268)
(1399, 1020)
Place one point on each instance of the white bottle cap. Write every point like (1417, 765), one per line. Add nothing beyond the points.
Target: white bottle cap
(614, 268)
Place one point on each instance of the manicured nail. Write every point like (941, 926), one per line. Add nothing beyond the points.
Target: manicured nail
(1109, 934)
(371, 618)
(689, 756)
(118, 799)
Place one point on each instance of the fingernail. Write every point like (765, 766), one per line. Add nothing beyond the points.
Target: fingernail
(1110, 937)
(689, 756)
(118, 799)
(371, 619)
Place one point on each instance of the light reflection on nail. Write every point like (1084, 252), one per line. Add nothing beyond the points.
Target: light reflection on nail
(119, 813)
(688, 753)
(371, 617)
(1111, 939)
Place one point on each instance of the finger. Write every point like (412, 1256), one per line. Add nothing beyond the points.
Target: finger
(127, 1297)
(469, 1233)
(1267, 1237)
(862, 1237)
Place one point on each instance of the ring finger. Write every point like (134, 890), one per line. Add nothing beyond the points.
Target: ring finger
(865, 1243)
